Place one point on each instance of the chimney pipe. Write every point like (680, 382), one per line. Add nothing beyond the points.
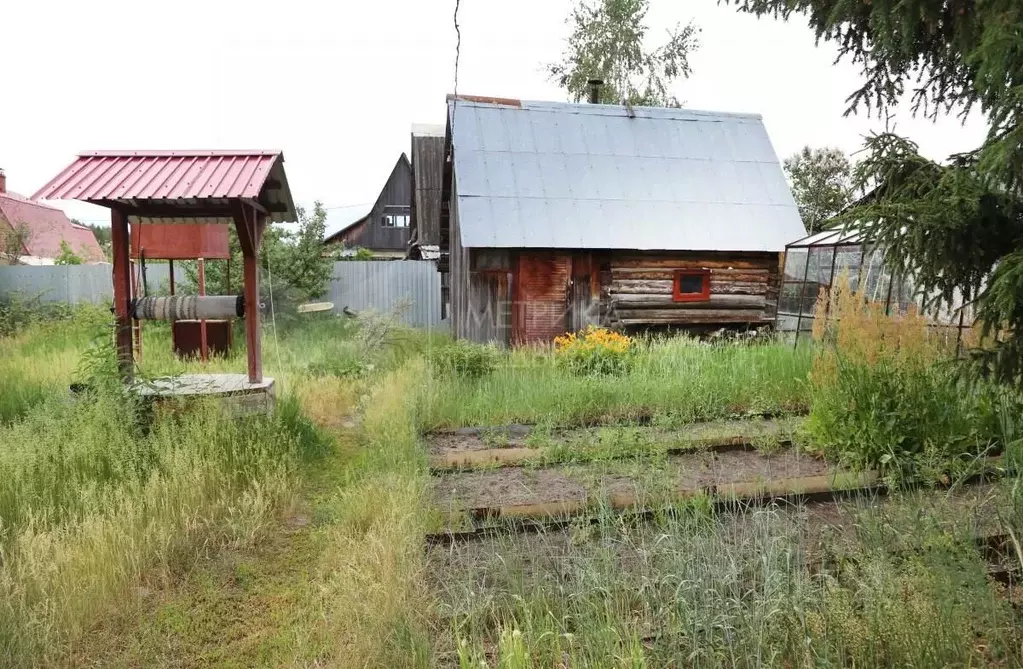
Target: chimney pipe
(3, 181)
(595, 85)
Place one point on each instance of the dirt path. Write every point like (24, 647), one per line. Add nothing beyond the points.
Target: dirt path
(247, 606)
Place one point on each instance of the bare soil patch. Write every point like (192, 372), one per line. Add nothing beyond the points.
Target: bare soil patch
(505, 487)
(689, 472)
(706, 471)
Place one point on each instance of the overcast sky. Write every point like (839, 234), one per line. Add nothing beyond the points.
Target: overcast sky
(336, 85)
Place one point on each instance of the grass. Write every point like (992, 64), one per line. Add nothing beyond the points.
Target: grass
(887, 394)
(92, 501)
(626, 441)
(98, 498)
(676, 381)
(697, 590)
(38, 363)
(194, 540)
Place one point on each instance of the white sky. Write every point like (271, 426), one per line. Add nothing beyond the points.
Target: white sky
(336, 85)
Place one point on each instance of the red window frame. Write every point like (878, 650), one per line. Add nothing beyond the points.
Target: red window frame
(676, 284)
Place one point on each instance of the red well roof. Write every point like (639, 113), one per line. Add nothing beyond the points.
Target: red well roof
(46, 227)
(161, 175)
(175, 176)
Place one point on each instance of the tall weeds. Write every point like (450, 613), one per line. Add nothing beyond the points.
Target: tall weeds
(747, 591)
(372, 600)
(676, 380)
(888, 393)
(91, 502)
(99, 497)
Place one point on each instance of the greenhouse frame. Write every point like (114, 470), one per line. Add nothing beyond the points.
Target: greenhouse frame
(818, 260)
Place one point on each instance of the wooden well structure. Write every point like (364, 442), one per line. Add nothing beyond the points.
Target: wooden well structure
(190, 189)
(186, 241)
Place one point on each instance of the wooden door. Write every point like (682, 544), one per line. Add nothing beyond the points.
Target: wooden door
(542, 281)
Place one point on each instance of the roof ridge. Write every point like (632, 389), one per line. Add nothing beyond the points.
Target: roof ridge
(552, 106)
(22, 199)
(124, 153)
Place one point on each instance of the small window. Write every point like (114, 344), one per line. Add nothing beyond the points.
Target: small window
(394, 220)
(691, 285)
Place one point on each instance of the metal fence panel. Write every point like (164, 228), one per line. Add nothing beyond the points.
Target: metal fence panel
(376, 285)
(68, 283)
(74, 284)
(370, 285)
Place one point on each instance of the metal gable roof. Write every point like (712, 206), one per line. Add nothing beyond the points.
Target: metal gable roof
(175, 177)
(559, 175)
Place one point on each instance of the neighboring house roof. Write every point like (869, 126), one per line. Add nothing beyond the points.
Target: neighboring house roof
(179, 178)
(559, 175)
(46, 226)
(341, 219)
(347, 218)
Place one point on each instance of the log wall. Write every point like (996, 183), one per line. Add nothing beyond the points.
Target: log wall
(517, 296)
(743, 289)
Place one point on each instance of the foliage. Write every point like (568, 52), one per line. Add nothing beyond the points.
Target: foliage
(465, 359)
(102, 233)
(67, 256)
(297, 258)
(18, 313)
(957, 234)
(360, 254)
(949, 224)
(595, 350)
(294, 262)
(821, 181)
(885, 395)
(12, 242)
(607, 43)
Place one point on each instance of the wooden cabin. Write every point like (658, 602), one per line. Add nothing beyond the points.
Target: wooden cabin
(555, 216)
(383, 226)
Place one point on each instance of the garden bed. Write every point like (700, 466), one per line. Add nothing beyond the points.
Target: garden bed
(527, 444)
(497, 492)
(472, 504)
(677, 580)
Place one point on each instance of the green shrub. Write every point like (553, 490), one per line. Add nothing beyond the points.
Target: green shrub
(898, 419)
(18, 313)
(465, 359)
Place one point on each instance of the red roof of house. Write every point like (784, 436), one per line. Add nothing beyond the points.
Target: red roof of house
(47, 226)
(180, 177)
